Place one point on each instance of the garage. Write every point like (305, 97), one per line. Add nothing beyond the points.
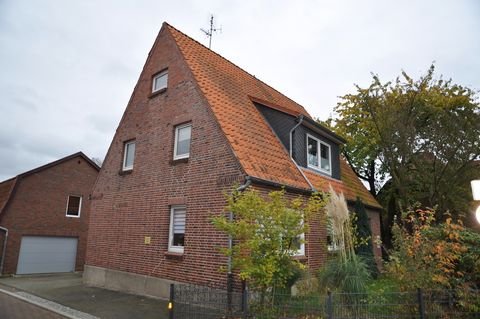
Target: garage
(42, 254)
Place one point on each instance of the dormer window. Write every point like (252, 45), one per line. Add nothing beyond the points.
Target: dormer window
(318, 155)
(160, 81)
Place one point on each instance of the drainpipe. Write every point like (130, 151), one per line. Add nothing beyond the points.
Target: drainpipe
(4, 250)
(290, 134)
(241, 188)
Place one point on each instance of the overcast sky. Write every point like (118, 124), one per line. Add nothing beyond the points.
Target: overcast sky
(67, 68)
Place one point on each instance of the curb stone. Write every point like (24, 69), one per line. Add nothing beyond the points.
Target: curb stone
(49, 305)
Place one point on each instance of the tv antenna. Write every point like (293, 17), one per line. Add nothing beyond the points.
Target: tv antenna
(209, 33)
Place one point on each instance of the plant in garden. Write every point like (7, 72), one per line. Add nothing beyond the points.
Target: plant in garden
(267, 232)
(426, 255)
(347, 272)
(364, 235)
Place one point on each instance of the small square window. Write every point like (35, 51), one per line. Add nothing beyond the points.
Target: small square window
(318, 155)
(176, 240)
(182, 141)
(128, 156)
(74, 206)
(160, 81)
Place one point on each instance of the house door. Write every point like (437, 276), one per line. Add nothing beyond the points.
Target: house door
(42, 254)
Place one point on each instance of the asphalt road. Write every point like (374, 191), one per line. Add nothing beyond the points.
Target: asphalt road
(14, 308)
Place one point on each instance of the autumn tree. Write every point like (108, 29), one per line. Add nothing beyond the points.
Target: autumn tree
(413, 140)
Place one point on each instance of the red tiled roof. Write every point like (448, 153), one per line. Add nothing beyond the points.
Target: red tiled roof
(230, 91)
(6, 188)
(227, 89)
(350, 185)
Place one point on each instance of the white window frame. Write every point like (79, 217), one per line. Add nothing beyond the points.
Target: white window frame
(171, 248)
(319, 167)
(158, 76)
(79, 206)
(175, 142)
(125, 147)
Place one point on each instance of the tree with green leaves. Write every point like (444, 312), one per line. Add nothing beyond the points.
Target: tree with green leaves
(413, 140)
(364, 232)
(267, 232)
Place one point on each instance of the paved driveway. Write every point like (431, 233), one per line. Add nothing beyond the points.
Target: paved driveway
(68, 290)
(14, 308)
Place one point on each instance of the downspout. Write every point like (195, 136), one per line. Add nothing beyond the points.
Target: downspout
(241, 188)
(4, 250)
(290, 134)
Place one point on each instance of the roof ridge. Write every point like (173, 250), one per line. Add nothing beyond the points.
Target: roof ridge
(235, 65)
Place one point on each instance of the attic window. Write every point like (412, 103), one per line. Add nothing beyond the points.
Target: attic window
(160, 81)
(74, 205)
(318, 155)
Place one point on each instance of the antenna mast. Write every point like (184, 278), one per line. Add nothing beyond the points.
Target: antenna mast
(209, 33)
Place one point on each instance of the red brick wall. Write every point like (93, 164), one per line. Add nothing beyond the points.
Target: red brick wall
(38, 207)
(128, 207)
(374, 216)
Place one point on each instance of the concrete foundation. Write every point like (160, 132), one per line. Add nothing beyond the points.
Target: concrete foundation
(127, 282)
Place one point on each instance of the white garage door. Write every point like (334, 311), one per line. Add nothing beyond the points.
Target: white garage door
(40, 254)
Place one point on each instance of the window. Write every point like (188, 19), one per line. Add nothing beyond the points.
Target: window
(74, 205)
(160, 81)
(128, 155)
(298, 245)
(332, 241)
(176, 238)
(182, 141)
(318, 155)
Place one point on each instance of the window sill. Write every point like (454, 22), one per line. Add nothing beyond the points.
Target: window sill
(320, 170)
(153, 94)
(300, 258)
(174, 255)
(125, 172)
(179, 161)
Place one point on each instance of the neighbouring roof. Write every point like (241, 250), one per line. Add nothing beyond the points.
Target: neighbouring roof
(230, 92)
(7, 187)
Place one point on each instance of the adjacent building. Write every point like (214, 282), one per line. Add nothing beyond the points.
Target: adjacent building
(44, 217)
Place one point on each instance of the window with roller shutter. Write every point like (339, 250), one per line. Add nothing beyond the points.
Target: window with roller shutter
(176, 240)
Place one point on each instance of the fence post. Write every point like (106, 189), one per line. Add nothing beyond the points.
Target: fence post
(229, 294)
(329, 305)
(421, 305)
(171, 301)
(245, 302)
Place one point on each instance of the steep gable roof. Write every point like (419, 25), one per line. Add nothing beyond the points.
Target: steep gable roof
(230, 91)
(7, 187)
(227, 89)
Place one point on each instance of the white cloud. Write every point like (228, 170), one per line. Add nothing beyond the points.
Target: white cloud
(68, 68)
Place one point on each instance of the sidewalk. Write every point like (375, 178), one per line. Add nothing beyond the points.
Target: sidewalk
(68, 290)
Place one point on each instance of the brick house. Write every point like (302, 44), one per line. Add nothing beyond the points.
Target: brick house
(195, 125)
(44, 217)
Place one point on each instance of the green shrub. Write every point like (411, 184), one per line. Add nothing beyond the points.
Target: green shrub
(345, 276)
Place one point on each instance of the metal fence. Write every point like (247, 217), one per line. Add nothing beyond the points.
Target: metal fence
(195, 302)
